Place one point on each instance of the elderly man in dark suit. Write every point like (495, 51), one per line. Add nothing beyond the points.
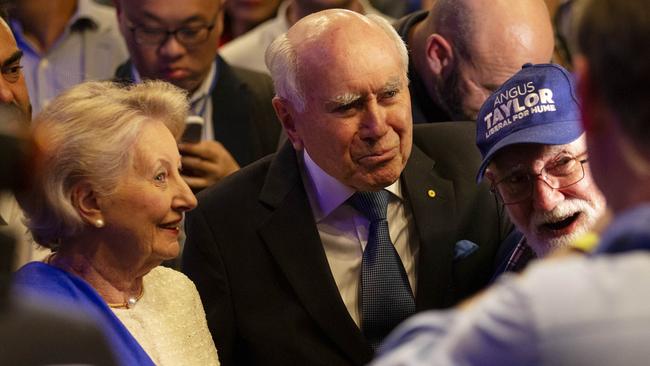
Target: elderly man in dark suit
(310, 256)
(177, 41)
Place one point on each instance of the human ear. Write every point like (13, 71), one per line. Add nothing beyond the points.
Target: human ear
(285, 112)
(440, 55)
(85, 200)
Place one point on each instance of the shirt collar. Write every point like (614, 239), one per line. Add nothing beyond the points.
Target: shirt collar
(328, 193)
(204, 89)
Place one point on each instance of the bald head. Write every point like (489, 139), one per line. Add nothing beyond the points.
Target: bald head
(326, 37)
(339, 32)
(467, 48)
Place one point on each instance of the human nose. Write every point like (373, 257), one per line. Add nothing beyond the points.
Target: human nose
(545, 197)
(374, 123)
(171, 47)
(185, 200)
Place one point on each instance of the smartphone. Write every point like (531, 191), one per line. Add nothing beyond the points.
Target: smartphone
(193, 129)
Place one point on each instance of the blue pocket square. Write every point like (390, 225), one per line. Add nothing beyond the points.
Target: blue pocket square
(464, 248)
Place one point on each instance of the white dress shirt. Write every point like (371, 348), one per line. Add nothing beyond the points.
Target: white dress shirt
(344, 231)
(90, 48)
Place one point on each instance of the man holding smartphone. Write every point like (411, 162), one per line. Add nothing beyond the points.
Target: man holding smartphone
(177, 41)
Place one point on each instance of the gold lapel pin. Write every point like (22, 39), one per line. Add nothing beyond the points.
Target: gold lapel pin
(431, 193)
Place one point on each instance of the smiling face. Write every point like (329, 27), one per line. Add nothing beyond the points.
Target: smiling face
(143, 215)
(550, 218)
(356, 124)
(183, 66)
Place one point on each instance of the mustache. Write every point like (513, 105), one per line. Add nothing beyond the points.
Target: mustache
(564, 209)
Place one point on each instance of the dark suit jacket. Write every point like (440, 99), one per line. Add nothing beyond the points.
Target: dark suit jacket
(242, 114)
(255, 255)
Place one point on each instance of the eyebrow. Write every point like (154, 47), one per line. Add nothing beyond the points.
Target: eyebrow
(392, 84)
(344, 99)
(352, 97)
(16, 56)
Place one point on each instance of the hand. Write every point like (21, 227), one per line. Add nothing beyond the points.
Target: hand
(205, 163)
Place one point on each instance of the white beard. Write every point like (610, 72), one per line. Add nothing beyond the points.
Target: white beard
(591, 212)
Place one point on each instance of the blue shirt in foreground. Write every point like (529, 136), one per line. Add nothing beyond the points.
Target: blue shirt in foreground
(571, 311)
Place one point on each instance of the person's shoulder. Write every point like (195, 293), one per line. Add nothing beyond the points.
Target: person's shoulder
(248, 49)
(257, 83)
(101, 14)
(255, 37)
(169, 278)
(252, 77)
(404, 24)
(569, 293)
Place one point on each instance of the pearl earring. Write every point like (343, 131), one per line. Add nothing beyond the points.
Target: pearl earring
(99, 223)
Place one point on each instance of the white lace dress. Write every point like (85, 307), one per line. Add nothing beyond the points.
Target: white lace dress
(169, 321)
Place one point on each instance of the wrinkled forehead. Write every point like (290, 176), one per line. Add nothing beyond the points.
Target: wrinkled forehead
(535, 155)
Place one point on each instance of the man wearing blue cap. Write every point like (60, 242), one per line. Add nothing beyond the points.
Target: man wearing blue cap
(581, 310)
(578, 310)
(535, 158)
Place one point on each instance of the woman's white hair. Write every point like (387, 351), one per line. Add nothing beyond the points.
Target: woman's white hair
(282, 60)
(87, 134)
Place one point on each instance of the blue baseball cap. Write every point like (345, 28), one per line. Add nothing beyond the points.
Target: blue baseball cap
(537, 105)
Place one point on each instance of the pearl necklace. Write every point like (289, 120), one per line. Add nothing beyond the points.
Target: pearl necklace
(128, 303)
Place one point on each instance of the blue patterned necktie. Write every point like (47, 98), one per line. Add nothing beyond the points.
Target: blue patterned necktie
(386, 297)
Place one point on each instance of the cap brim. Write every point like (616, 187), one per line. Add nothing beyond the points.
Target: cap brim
(556, 133)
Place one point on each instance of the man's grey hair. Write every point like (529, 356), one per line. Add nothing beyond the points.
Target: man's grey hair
(282, 61)
(87, 134)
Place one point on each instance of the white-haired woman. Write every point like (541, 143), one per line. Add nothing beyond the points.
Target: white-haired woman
(109, 202)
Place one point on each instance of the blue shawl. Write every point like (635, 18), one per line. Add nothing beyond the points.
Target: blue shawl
(43, 280)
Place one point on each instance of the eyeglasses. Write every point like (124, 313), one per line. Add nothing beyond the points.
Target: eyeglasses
(564, 171)
(188, 36)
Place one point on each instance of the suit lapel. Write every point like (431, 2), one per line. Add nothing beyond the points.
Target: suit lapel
(292, 238)
(432, 200)
(231, 115)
